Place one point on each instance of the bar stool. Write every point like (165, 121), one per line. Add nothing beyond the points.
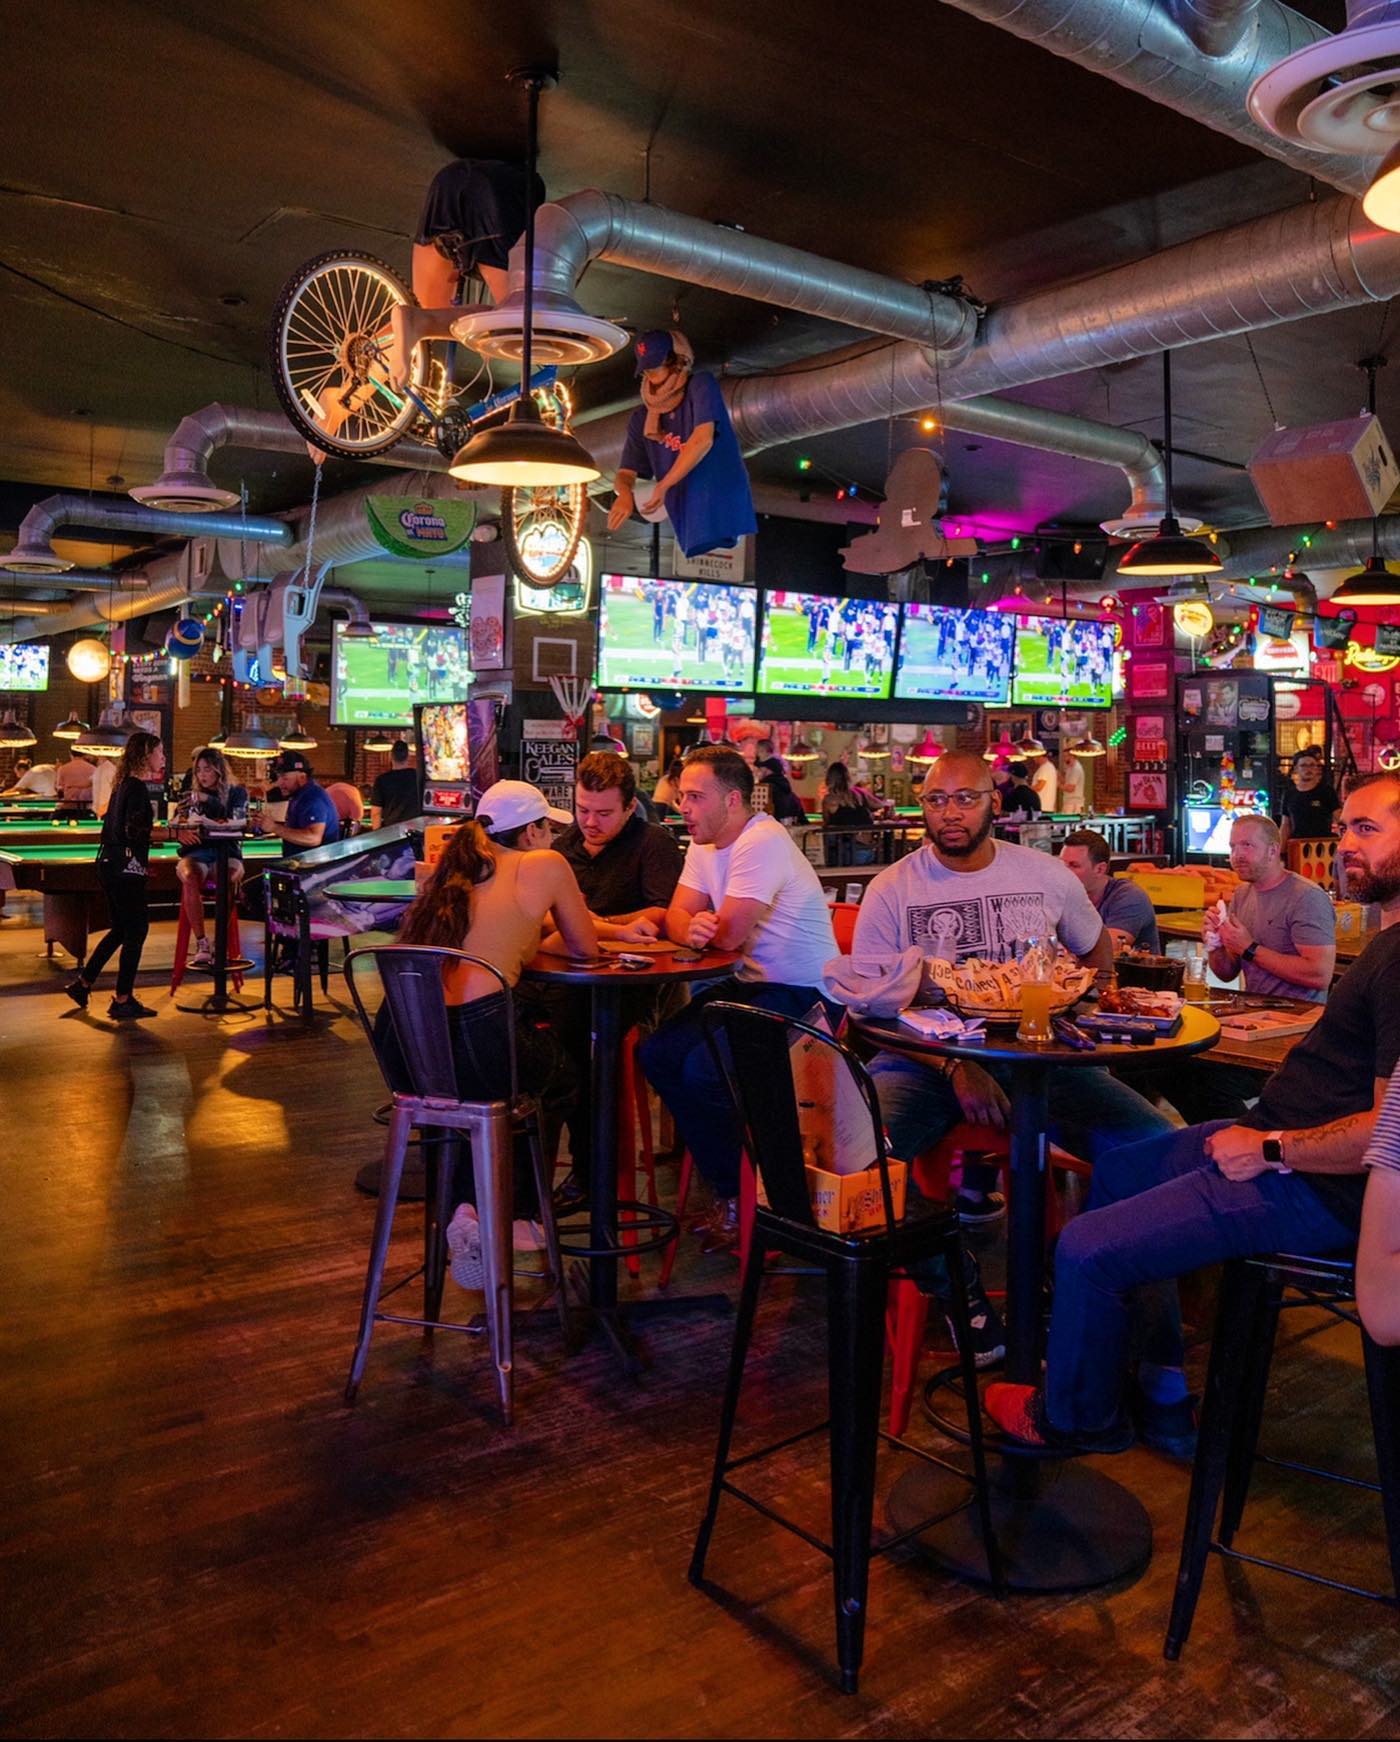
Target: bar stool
(751, 1047)
(634, 1118)
(232, 939)
(1253, 1292)
(411, 978)
(288, 915)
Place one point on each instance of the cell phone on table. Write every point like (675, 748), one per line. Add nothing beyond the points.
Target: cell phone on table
(633, 964)
(685, 956)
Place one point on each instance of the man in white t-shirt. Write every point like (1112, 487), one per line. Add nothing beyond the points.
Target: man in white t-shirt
(745, 886)
(1045, 783)
(963, 894)
(32, 780)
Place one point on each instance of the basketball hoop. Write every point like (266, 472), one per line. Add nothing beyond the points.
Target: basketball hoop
(572, 695)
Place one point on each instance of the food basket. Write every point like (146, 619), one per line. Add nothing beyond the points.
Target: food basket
(992, 990)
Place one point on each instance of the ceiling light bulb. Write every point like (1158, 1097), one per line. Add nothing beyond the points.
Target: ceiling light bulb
(1382, 202)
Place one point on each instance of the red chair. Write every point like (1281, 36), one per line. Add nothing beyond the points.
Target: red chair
(182, 945)
(634, 1114)
(843, 923)
(906, 1311)
(748, 1207)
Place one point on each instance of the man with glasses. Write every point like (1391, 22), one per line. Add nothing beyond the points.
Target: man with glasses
(964, 894)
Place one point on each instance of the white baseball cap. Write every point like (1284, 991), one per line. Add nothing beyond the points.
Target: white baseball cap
(510, 804)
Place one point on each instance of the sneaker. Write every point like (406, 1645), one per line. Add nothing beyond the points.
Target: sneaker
(464, 1248)
(1167, 1427)
(721, 1232)
(570, 1197)
(988, 1332)
(203, 956)
(1019, 1411)
(128, 1010)
(979, 1209)
(78, 991)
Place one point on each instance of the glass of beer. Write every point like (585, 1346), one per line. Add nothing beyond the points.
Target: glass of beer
(1037, 992)
(1194, 987)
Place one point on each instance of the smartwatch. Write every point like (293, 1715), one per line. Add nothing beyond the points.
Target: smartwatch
(1273, 1152)
(1249, 954)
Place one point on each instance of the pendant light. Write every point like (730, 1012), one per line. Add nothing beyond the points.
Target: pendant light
(14, 734)
(297, 739)
(1005, 749)
(1168, 551)
(72, 727)
(801, 751)
(1087, 746)
(250, 740)
(524, 451)
(218, 741)
(927, 752)
(1031, 746)
(89, 660)
(378, 740)
(108, 737)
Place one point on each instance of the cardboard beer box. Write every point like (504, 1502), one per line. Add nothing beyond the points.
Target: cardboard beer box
(848, 1203)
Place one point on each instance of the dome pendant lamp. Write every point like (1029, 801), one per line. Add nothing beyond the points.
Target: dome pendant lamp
(1168, 551)
(524, 451)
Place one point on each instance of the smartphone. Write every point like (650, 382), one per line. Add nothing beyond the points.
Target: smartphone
(634, 964)
(685, 956)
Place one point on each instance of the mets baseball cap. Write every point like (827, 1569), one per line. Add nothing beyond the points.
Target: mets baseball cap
(510, 804)
(654, 349)
(291, 762)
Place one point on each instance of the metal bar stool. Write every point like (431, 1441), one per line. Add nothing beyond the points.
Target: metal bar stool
(752, 1048)
(1253, 1292)
(411, 977)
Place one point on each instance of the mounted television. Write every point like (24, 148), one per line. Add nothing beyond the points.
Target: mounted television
(674, 635)
(816, 645)
(958, 655)
(1062, 662)
(375, 680)
(25, 666)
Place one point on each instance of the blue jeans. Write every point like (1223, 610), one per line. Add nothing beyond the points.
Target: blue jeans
(1156, 1210)
(678, 1064)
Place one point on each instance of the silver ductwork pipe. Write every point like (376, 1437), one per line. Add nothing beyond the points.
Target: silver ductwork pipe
(597, 226)
(1216, 27)
(185, 479)
(34, 553)
(1148, 47)
(72, 580)
(342, 527)
(1253, 553)
(163, 584)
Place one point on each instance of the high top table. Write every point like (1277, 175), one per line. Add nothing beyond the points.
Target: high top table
(1061, 1526)
(608, 983)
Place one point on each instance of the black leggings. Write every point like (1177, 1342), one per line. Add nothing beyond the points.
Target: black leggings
(130, 912)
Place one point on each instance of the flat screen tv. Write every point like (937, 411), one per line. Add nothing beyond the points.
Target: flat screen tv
(25, 666)
(1208, 828)
(674, 635)
(962, 655)
(376, 680)
(1060, 662)
(816, 645)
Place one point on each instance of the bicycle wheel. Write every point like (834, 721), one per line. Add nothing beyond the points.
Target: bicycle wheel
(329, 344)
(543, 523)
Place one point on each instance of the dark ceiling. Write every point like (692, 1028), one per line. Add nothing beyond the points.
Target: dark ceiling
(167, 166)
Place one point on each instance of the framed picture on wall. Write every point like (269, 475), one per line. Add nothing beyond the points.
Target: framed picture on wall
(1150, 680)
(1147, 789)
(1147, 626)
(643, 741)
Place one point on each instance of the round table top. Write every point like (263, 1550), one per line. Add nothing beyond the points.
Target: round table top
(606, 970)
(1198, 1031)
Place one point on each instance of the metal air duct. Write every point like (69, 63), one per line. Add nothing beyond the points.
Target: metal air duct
(34, 552)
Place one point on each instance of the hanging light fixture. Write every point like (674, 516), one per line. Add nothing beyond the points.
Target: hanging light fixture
(927, 752)
(297, 739)
(89, 660)
(1374, 585)
(1004, 750)
(14, 734)
(869, 752)
(72, 727)
(524, 451)
(1087, 746)
(218, 741)
(108, 737)
(377, 739)
(1169, 551)
(1031, 746)
(801, 751)
(250, 740)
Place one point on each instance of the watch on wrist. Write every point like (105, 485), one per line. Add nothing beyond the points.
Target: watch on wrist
(1273, 1152)
(1249, 953)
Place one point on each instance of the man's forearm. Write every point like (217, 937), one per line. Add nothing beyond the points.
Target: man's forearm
(1297, 970)
(1224, 965)
(1334, 1148)
(678, 925)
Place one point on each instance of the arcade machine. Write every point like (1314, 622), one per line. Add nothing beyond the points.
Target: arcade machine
(458, 756)
(1226, 726)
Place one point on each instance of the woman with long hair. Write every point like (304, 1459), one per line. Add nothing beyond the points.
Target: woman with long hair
(123, 868)
(845, 807)
(212, 798)
(491, 894)
(666, 795)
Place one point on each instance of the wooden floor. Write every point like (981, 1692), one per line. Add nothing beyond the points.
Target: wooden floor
(199, 1539)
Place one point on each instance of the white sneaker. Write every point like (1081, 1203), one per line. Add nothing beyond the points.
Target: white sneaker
(464, 1247)
(203, 956)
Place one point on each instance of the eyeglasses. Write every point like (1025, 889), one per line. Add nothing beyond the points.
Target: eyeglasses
(963, 800)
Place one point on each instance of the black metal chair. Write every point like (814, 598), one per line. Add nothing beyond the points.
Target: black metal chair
(411, 979)
(287, 916)
(1253, 1292)
(752, 1048)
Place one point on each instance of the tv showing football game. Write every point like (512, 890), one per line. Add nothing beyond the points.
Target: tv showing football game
(950, 654)
(25, 666)
(377, 679)
(1061, 662)
(674, 635)
(815, 645)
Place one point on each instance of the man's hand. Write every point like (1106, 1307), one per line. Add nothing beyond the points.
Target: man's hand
(621, 510)
(1234, 937)
(1238, 1153)
(653, 502)
(1122, 940)
(702, 929)
(637, 931)
(981, 1097)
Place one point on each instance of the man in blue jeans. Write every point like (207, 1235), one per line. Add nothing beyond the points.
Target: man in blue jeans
(963, 894)
(1287, 1177)
(744, 886)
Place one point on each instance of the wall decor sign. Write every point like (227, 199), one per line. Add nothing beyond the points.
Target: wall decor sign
(420, 527)
(1276, 621)
(1333, 633)
(1147, 789)
(1387, 639)
(1150, 680)
(1147, 626)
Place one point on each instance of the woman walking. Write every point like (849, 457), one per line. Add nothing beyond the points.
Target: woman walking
(122, 869)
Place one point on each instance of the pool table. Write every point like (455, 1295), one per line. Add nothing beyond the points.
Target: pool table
(66, 876)
(42, 831)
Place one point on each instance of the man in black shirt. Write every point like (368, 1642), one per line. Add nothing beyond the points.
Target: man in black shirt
(1287, 1177)
(397, 794)
(1310, 801)
(627, 869)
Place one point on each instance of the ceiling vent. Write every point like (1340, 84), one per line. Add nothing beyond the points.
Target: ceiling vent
(35, 559)
(563, 333)
(1342, 93)
(184, 493)
(1133, 526)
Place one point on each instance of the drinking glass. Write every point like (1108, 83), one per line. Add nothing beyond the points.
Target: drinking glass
(1037, 991)
(1194, 986)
